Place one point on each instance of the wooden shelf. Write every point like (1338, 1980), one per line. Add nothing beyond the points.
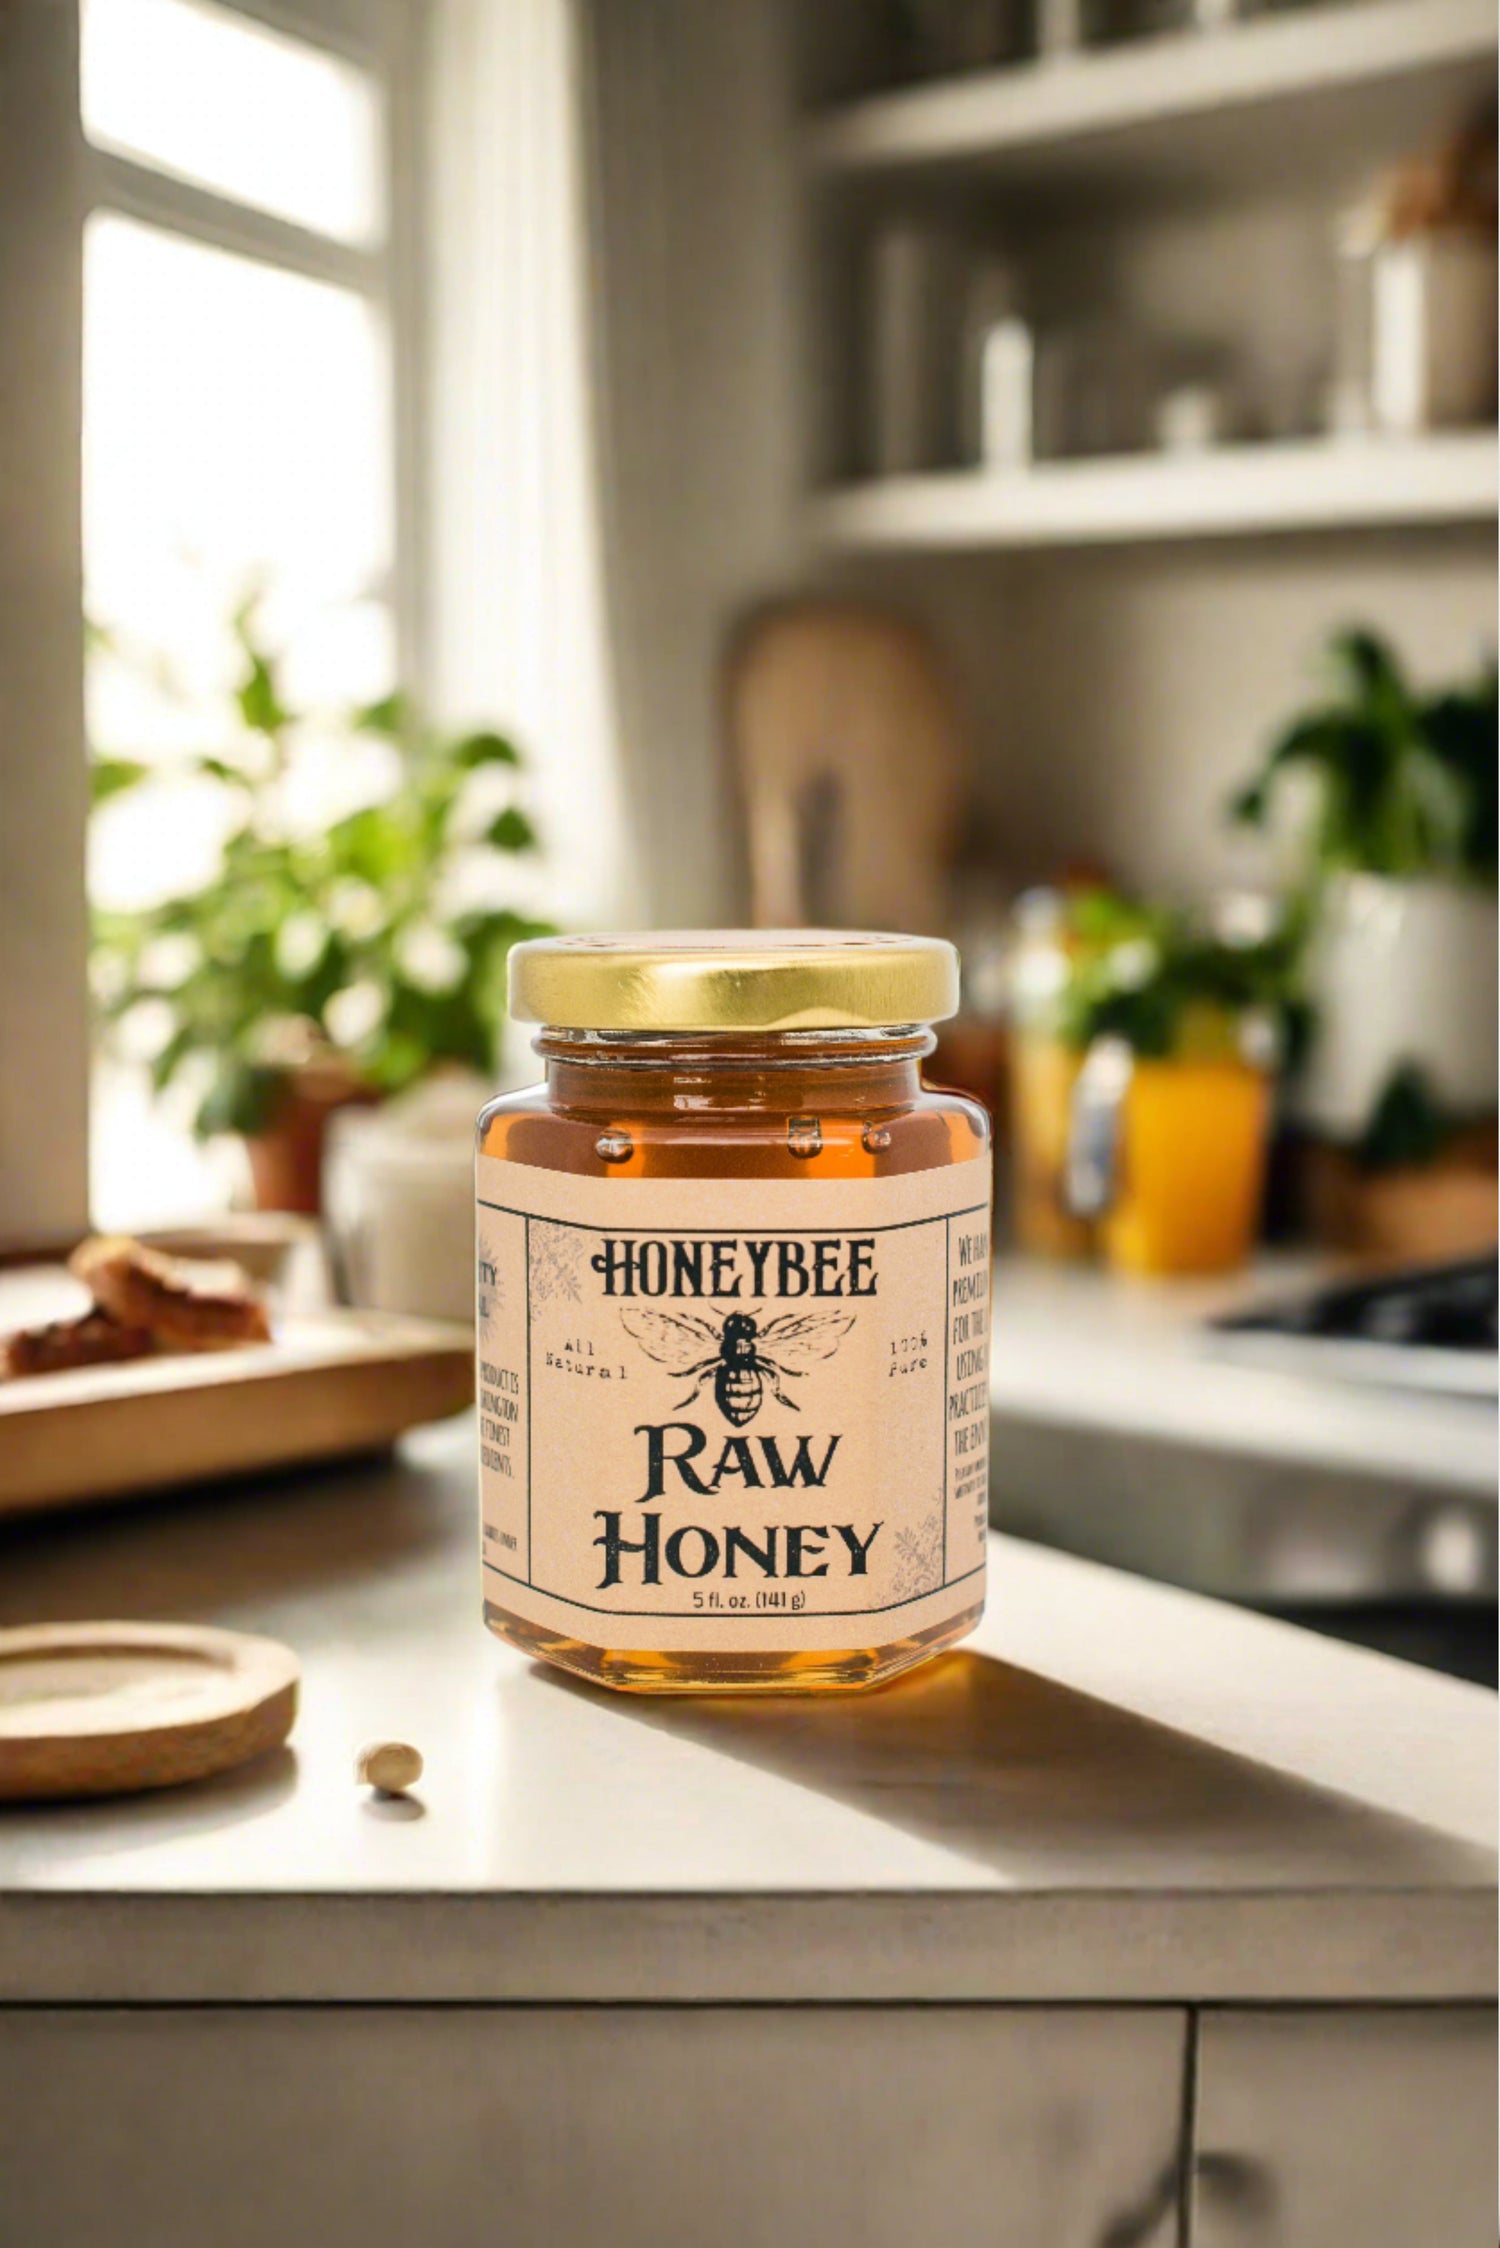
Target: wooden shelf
(1187, 110)
(1244, 491)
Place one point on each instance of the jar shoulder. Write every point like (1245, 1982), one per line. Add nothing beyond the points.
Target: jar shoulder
(941, 1100)
(840, 1135)
(929, 1101)
(520, 1100)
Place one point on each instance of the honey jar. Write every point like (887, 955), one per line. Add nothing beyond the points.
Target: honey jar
(733, 1315)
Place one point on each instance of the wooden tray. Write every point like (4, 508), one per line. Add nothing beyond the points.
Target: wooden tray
(329, 1384)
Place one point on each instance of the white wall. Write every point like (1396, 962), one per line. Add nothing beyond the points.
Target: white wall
(610, 385)
(1118, 697)
(514, 624)
(695, 221)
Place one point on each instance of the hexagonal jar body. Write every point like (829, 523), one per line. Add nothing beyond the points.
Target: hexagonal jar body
(733, 1282)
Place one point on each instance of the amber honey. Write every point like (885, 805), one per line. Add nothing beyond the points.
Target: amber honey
(734, 1315)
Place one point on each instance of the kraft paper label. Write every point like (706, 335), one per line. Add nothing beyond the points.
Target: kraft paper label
(733, 1415)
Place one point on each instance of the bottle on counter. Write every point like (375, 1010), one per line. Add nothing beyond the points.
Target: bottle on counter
(1168, 1153)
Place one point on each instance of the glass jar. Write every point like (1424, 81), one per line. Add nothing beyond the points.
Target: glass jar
(1176, 1168)
(733, 1265)
(1043, 1074)
(1194, 1135)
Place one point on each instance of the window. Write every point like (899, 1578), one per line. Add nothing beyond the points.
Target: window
(240, 388)
(199, 94)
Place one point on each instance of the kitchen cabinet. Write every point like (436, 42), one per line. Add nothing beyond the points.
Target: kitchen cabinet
(1134, 1895)
(1368, 2124)
(749, 2127)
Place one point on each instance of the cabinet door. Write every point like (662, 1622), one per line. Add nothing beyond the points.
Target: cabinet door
(1369, 2127)
(547, 2128)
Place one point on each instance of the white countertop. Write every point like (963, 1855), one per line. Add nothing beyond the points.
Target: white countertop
(1118, 1434)
(1113, 1792)
(1082, 1347)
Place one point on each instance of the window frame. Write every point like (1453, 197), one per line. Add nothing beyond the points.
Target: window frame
(382, 37)
(51, 181)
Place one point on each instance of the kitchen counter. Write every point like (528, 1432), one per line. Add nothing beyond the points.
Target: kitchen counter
(1115, 1791)
(1118, 1434)
(1134, 1915)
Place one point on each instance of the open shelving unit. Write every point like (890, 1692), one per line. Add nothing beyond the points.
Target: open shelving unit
(1297, 104)
(1244, 490)
(1191, 109)
(1128, 630)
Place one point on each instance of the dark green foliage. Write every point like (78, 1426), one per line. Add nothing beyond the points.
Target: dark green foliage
(1407, 1127)
(1406, 783)
(290, 921)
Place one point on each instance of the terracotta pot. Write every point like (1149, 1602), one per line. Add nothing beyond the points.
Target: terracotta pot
(1414, 1214)
(286, 1160)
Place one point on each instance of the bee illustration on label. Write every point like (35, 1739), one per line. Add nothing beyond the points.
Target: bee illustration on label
(743, 1358)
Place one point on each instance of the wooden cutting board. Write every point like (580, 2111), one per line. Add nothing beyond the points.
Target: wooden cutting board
(337, 1383)
(851, 754)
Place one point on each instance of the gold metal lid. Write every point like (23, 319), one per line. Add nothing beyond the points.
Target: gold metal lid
(734, 979)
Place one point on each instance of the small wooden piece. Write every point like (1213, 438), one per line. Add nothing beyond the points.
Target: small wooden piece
(390, 1767)
(850, 755)
(114, 1708)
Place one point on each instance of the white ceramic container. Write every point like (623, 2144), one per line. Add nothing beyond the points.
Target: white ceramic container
(1401, 972)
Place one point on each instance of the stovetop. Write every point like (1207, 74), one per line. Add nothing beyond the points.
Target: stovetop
(1433, 1327)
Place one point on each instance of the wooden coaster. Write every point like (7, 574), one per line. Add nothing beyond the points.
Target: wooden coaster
(111, 1708)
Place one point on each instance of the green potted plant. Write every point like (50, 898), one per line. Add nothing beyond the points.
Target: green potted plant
(1165, 981)
(1393, 795)
(319, 963)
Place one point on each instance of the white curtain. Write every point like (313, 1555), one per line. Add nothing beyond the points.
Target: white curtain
(614, 408)
(514, 619)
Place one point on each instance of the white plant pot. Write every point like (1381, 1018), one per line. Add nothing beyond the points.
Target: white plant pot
(1400, 972)
(399, 1197)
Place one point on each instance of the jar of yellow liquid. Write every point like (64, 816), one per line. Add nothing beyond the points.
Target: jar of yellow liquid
(1187, 1135)
(1043, 1073)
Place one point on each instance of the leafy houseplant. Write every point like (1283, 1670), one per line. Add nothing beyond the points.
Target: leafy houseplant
(1178, 1028)
(320, 962)
(1154, 978)
(1397, 862)
(1405, 785)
